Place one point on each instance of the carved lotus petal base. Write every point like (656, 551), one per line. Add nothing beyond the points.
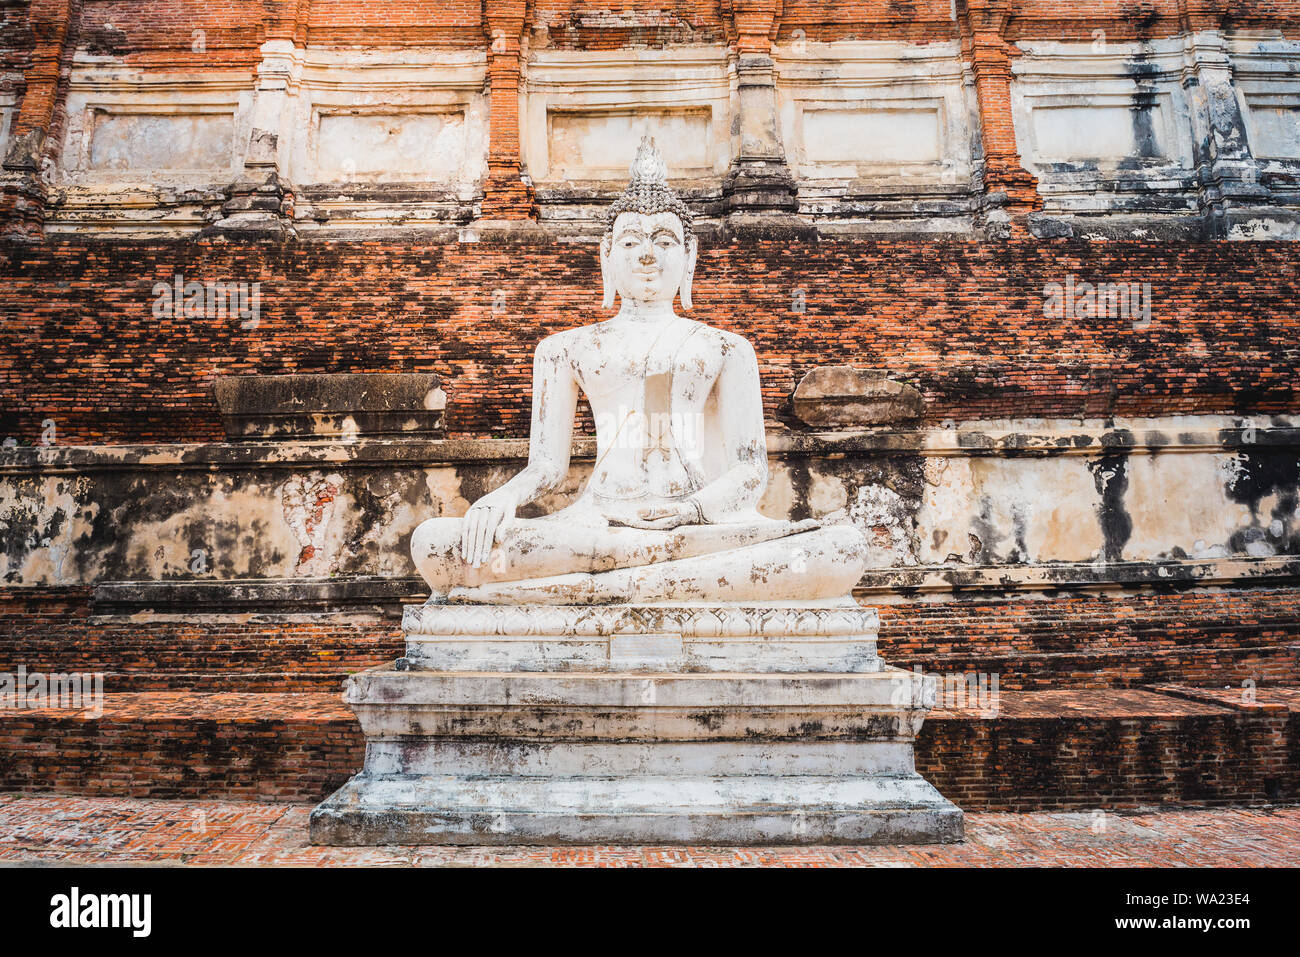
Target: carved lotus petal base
(837, 637)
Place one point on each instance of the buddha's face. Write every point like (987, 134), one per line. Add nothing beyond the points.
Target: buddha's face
(648, 256)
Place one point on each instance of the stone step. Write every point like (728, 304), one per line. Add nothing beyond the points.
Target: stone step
(265, 747)
(1070, 749)
(1023, 751)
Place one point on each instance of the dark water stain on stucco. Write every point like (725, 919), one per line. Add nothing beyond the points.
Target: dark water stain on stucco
(1110, 476)
(1259, 474)
(981, 550)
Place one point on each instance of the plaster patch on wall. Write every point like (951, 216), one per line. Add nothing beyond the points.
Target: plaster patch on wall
(884, 518)
(1175, 509)
(308, 502)
(600, 145)
(41, 531)
(943, 518)
(1103, 132)
(1110, 132)
(780, 498)
(1273, 531)
(6, 122)
(866, 118)
(583, 112)
(355, 146)
(1264, 230)
(221, 532)
(1264, 485)
(386, 511)
(1187, 486)
(1276, 128)
(872, 135)
(826, 495)
(442, 486)
(1054, 500)
(987, 510)
(161, 141)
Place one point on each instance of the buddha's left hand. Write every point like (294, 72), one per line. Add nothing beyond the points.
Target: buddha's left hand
(663, 517)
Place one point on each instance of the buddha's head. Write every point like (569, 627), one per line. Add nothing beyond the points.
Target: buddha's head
(648, 251)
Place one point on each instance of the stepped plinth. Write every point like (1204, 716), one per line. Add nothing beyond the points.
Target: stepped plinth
(638, 724)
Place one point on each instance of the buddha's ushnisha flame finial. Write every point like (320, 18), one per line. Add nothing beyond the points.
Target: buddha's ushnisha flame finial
(648, 191)
(648, 165)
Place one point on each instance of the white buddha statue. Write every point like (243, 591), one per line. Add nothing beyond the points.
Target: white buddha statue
(670, 512)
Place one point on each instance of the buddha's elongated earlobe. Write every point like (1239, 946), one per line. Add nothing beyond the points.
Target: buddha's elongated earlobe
(688, 274)
(606, 275)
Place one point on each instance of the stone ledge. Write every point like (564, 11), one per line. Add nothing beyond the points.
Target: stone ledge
(398, 596)
(997, 439)
(891, 690)
(848, 397)
(289, 594)
(621, 707)
(906, 581)
(464, 757)
(322, 405)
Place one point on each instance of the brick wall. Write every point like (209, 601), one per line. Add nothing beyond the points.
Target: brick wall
(162, 34)
(194, 652)
(1110, 640)
(580, 25)
(962, 321)
(179, 35)
(1032, 644)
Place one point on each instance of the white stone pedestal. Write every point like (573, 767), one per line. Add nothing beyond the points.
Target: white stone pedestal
(638, 725)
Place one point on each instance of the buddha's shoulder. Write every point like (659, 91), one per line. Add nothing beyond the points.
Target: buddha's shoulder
(726, 342)
(572, 341)
(731, 343)
(560, 343)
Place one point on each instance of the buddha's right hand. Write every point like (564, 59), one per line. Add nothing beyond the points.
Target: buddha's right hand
(486, 518)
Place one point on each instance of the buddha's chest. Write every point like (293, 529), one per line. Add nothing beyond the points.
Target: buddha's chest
(629, 367)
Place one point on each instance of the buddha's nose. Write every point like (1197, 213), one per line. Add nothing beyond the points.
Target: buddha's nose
(647, 256)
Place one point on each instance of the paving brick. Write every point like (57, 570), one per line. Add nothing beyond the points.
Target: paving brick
(89, 831)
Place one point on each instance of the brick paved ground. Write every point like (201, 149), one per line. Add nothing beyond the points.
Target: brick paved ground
(74, 830)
